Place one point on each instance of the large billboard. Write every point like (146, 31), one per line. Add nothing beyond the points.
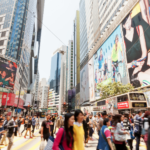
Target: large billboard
(136, 33)
(7, 73)
(109, 61)
(91, 80)
(84, 84)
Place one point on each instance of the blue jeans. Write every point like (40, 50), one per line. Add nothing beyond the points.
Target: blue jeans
(137, 136)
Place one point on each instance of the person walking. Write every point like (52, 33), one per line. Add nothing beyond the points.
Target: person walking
(119, 133)
(104, 142)
(29, 127)
(148, 140)
(33, 124)
(138, 122)
(60, 122)
(65, 135)
(10, 132)
(127, 127)
(25, 123)
(91, 131)
(78, 131)
(145, 126)
(37, 122)
(14, 119)
(3, 140)
(19, 121)
(2, 131)
(52, 125)
(100, 123)
(85, 127)
(45, 128)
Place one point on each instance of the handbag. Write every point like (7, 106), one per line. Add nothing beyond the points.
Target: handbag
(51, 141)
(113, 145)
(42, 145)
(119, 137)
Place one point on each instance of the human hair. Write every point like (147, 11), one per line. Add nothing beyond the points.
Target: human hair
(76, 114)
(117, 119)
(105, 121)
(147, 114)
(109, 116)
(69, 131)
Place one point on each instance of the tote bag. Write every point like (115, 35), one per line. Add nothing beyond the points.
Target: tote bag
(119, 137)
(51, 141)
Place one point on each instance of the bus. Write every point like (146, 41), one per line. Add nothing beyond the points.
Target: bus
(128, 102)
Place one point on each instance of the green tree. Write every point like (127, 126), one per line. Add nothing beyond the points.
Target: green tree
(112, 89)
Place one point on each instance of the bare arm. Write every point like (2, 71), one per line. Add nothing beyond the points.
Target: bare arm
(41, 132)
(7, 79)
(110, 144)
(143, 43)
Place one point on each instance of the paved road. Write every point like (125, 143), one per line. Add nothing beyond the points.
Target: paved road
(33, 144)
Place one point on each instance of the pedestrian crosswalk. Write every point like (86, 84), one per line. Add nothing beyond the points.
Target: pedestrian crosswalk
(20, 143)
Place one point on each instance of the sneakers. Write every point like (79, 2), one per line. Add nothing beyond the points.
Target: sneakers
(31, 137)
(25, 137)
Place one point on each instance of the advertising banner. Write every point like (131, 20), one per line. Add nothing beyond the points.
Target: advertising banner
(136, 33)
(109, 62)
(147, 94)
(84, 84)
(111, 104)
(91, 80)
(12, 100)
(7, 73)
(123, 105)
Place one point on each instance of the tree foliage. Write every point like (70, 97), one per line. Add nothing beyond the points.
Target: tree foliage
(113, 89)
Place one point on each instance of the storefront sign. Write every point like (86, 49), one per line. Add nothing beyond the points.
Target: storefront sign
(123, 105)
(139, 105)
(103, 107)
(96, 108)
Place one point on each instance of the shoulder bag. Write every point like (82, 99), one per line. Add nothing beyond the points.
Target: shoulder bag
(119, 137)
(51, 141)
(113, 145)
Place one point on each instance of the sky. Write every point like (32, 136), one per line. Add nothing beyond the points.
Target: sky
(58, 17)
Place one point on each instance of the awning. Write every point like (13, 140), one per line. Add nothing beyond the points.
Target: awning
(21, 107)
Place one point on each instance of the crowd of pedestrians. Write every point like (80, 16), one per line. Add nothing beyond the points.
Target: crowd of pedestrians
(74, 131)
(115, 132)
(11, 127)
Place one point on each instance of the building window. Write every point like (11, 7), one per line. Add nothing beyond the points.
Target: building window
(2, 43)
(1, 19)
(3, 34)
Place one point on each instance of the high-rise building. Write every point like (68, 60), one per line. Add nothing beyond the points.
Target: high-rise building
(20, 32)
(69, 63)
(58, 74)
(43, 93)
(83, 31)
(76, 55)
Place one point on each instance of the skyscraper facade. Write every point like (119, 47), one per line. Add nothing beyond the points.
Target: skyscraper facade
(20, 27)
(58, 81)
(83, 31)
(76, 56)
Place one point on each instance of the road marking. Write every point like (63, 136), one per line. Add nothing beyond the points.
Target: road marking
(28, 141)
(35, 146)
